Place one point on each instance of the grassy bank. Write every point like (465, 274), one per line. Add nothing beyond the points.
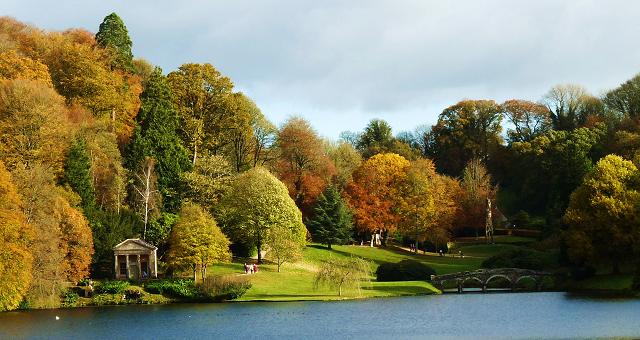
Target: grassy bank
(295, 281)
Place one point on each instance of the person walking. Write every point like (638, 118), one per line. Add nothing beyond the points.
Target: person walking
(255, 268)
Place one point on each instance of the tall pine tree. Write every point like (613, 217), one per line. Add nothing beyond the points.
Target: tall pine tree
(156, 136)
(113, 36)
(77, 173)
(332, 219)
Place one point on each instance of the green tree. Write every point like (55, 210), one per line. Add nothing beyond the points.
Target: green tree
(156, 136)
(207, 181)
(113, 36)
(604, 215)
(283, 246)
(332, 221)
(16, 235)
(77, 173)
(343, 273)
(466, 130)
(376, 138)
(256, 203)
(625, 99)
(196, 241)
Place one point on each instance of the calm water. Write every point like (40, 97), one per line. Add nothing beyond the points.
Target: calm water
(525, 315)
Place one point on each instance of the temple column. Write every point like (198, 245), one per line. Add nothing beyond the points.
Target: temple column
(155, 264)
(116, 266)
(127, 262)
(139, 267)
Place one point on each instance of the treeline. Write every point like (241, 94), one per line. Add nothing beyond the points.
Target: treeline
(97, 146)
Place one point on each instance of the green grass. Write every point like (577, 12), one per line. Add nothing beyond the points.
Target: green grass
(295, 281)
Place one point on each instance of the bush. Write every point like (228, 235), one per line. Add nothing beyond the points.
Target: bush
(405, 270)
(224, 287)
(112, 287)
(133, 293)
(70, 299)
(182, 288)
(518, 258)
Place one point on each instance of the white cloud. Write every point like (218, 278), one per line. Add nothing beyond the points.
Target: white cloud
(341, 63)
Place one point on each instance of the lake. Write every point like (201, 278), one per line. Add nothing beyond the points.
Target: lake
(490, 316)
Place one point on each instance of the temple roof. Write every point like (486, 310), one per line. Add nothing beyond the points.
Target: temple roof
(135, 242)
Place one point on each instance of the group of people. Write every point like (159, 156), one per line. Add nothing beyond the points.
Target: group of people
(250, 268)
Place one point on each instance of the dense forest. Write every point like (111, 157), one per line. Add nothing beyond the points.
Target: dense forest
(97, 146)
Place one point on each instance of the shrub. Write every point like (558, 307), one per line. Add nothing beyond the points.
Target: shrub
(405, 270)
(70, 299)
(182, 288)
(133, 293)
(112, 287)
(224, 287)
(518, 258)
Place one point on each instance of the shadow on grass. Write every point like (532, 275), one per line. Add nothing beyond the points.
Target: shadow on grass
(400, 289)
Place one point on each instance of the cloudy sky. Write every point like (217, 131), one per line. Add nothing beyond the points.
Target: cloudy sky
(341, 63)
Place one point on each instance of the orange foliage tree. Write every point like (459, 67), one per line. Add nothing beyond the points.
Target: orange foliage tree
(375, 192)
(303, 165)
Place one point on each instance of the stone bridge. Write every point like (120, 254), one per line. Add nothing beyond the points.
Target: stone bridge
(484, 276)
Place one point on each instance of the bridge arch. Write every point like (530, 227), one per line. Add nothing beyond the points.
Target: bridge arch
(502, 276)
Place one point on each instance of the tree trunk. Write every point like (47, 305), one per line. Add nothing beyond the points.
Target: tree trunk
(195, 273)
(259, 246)
(203, 272)
(329, 245)
(340, 290)
(195, 153)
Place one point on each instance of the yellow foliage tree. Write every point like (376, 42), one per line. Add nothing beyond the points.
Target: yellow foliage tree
(15, 235)
(33, 125)
(196, 241)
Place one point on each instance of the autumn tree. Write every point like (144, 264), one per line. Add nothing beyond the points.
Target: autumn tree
(529, 119)
(603, 215)
(16, 236)
(343, 273)
(332, 219)
(80, 73)
(108, 175)
(427, 204)
(114, 37)
(196, 241)
(76, 240)
(570, 106)
(201, 95)
(469, 129)
(256, 203)
(156, 136)
(477, 188)
(241, 150)
(346, 160)
(373, 194)
(33, 125)
(15, 66)
(62, 245)
(207, 181)
(302, 165)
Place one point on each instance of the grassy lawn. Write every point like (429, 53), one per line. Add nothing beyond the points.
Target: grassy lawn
(295, 281)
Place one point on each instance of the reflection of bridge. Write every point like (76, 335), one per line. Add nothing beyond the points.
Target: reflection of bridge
(484, 276)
